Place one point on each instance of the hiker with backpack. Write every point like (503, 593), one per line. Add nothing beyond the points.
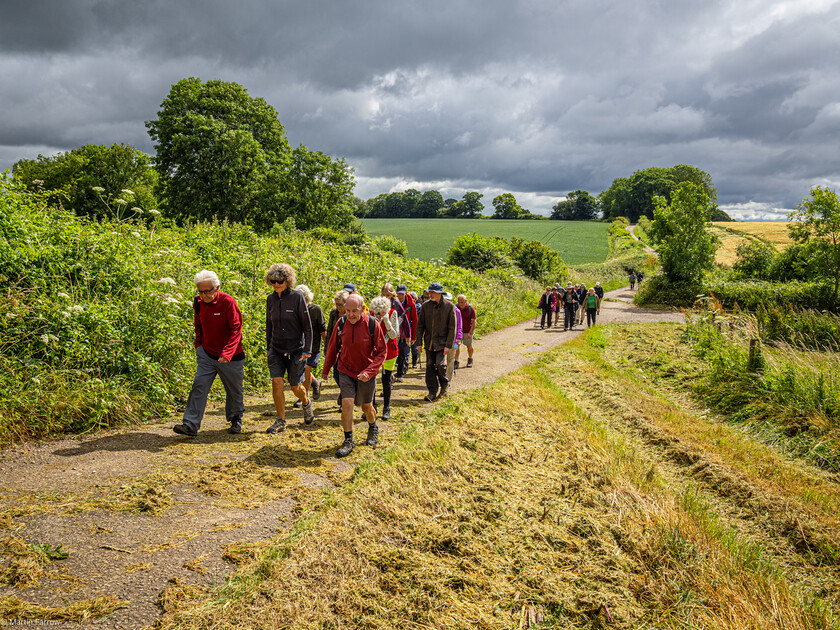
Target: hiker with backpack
(218, 352)
(570, 303)
(468, 321)
(546, 305)
(632, 279)
(358, 348)
(436, 327)
(288, 340)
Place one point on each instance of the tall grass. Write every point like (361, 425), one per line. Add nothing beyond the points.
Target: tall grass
(789, 390)
(96, 318)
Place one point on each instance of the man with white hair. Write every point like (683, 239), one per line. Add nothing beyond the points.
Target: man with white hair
(358, 347)
(218, 351)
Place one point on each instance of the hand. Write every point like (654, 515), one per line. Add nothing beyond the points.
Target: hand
(304, 357)
(363, 377)
(413, 341)
(324, 376)
(223, 360)
(445, 351)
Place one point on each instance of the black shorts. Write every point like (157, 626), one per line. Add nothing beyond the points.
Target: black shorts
(280, 364)
(360, 391)
(313, 359)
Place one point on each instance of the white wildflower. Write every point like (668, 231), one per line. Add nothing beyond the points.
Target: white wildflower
(166, 280)
(98, 189)
(128, 192)
(154, 213)
(171, 300)
(136, 234)
(137, 210)
(63, 296)
(120, 201)
(11, 315)
(76, 308)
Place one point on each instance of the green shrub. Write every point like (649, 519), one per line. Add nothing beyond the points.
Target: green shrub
(754, 260)
(536, 260)
(479, 253)
(750, 294)
(388, 243)
(355, 235)
(657, 290)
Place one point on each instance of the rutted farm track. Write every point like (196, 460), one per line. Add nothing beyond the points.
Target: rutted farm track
(508, 508)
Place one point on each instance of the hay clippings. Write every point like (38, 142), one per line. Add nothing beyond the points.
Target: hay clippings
(243, 552)
(196, 565)
(177, 593)
(138, 566)
(80, 611)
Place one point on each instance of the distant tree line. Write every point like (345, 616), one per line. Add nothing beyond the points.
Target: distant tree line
(412, 204)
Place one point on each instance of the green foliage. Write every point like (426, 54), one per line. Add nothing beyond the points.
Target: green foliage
(755, 259)
(686, 249)
(720, 215)
(817, 220)
(578, 206)
(642, 230)
(804, 328)
(413, 204)
(390, 244)
(506, 207)
(751, 294)
(633, 197)
(76, 175)
(479, 253)
(658, 291)
(96, 317)
(795, 393)
(536, 260)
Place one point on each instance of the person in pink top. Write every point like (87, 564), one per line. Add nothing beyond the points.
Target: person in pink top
(218, 352)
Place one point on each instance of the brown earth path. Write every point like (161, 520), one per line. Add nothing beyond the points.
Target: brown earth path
(139, 507)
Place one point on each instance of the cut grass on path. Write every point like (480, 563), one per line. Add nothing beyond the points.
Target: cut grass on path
(577, 242)
(568, 494)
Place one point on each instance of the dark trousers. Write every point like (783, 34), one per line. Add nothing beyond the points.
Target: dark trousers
(402, 358)
(546, 315)
(590, 316)
(415, 352)
(436, 371)
(207, 368)
(569, 320)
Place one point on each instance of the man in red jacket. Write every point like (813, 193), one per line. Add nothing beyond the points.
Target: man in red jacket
(358, 346)
(218, 351)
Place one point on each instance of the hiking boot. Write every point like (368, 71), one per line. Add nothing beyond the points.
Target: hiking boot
(373, 435)
(316, 389)
(183, 429)
(386, 412)
(308, 415)
(399, 379)
(469, 362)
(297, 404)
(278, 427)
(346, 448)
(457, 364)
(430, 397)
(443, 391)
(235, 425)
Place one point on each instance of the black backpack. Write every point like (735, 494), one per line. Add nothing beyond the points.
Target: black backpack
(340, 326)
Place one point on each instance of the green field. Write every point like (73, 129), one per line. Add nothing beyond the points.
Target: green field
(577, 242)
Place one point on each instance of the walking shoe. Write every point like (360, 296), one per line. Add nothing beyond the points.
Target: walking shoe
(235, 425)
(346, 448)
(457, 364)
(398, 379)
(443, 391)
(430, 397)
(297, 404)
(183, 429)
(386, 412)
(469, 362)
(373, 435)
(316, 389)
(278, 427)
(308, 415)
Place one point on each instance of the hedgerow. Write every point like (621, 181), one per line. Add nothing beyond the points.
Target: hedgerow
(96, 317)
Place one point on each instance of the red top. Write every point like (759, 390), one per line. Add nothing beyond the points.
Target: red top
(392, 345)
(218, 327)
(359, 354)
(468, 317)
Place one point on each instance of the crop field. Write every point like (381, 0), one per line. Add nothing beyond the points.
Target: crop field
(732, 233)
(577, 242)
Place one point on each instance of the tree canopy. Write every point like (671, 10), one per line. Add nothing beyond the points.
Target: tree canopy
(686, 248)
(222, 154)
(78, 174)
(816, 220)
(632, 197)
(578, 206)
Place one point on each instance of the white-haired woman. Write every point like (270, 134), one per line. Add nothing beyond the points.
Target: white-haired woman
(319, 334)
(218, 351)
(288, 340)
(386, 315)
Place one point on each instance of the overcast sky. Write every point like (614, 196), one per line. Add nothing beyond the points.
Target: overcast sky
(535, 97)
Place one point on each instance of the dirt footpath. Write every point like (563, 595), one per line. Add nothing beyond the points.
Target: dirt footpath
(146, 515)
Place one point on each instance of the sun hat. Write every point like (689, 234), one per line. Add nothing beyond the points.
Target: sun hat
(436, 287)
(447, 296)
(401, 288)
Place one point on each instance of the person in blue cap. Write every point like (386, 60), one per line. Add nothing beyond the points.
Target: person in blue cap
(436, 326)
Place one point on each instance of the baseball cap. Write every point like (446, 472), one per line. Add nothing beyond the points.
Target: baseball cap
(350, 287)
(437, 287)
(401, 288)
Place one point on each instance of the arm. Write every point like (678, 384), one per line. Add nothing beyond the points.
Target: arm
(306, 324)
(392, 325)
(267, 323)
(234, 317)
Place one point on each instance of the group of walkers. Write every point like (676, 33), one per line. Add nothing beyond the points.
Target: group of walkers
(635, 277)
(575, 300)
(359, 342)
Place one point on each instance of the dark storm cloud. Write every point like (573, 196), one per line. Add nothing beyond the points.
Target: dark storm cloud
(535, 97)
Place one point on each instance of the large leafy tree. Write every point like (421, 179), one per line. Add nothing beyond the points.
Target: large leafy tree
(78, 175)
(816, 220)
(686, 248)
(218, 149)
(506, 207)
(428, 205)
(578, 206)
